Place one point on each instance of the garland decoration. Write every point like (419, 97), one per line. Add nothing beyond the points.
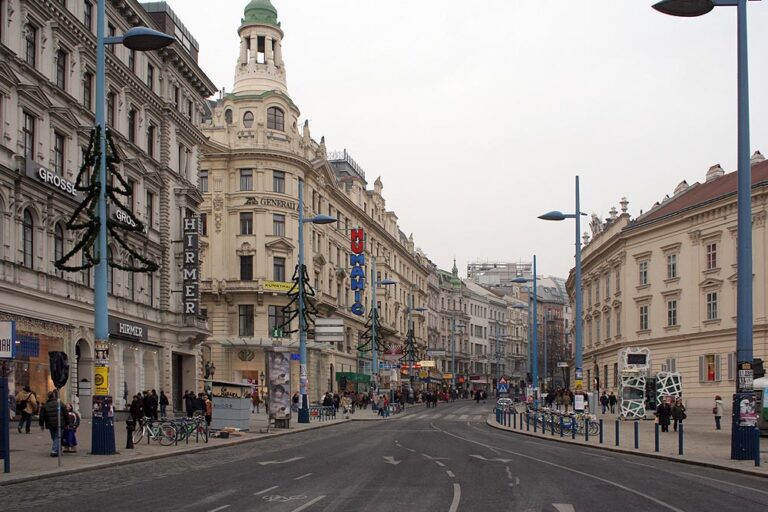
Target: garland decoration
(367, 343)
(291, 310)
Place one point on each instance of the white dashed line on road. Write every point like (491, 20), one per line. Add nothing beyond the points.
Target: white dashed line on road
(308, 504)
(303, 476)
(450, 473)
(726, 483)
(439, 463)
(220, 508)
(456, 498)
(265, 490)
(639, 464)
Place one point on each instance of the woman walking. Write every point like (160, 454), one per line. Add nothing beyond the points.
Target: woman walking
(69, 439)
(717, 410)
(663, 413)
(678, 412)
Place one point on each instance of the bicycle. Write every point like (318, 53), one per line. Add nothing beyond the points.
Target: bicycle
(185, 427)
(160, 432)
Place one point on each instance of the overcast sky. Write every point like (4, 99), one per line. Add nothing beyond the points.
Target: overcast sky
(478, 114)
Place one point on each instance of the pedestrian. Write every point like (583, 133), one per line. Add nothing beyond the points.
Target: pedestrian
(612, 400)
(295, 401)
(137, 410)
(200, 404)
(678, 412)
(567, 400)
(26, 405)
(69, 433)
(380, 405)
(53, 418)
(155, 400)
(146, 403)
(604, 401)
(189, 403)
(164, 403)
(717, 410)
(478, 396)
(255, 402)
(208, 409)
(663, 413)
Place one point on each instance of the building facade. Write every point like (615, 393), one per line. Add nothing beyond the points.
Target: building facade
(258, 157)
(47, 104)
(666, 280)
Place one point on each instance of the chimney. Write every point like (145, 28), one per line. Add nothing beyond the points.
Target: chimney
(714, 172)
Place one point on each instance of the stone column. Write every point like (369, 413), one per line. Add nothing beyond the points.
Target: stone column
(254, 48)
(269, 58)
(243, 52)
(279, 54)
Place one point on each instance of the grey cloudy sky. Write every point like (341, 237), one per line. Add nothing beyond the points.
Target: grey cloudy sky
(478, 114)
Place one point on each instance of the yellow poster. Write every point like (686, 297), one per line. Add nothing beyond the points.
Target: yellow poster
(101, 381)
(277, 286)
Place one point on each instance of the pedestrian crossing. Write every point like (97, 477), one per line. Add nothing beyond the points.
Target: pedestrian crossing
(462, 414)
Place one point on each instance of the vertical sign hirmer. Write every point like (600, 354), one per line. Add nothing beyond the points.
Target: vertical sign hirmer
(357, 274)
(190, 269)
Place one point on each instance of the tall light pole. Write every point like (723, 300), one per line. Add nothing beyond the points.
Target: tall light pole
(411, 336)
(741, 446)
(375, 313)
(579, 371)
(303, 378)
(535, 346)
(527, 335)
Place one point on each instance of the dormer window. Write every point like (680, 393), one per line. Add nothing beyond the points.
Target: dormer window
(275, 119)
(248, 119)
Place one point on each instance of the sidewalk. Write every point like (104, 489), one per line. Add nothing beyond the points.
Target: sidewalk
(30, 453)
(702, 444)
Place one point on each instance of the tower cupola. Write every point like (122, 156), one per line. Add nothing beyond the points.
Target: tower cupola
(260, 65)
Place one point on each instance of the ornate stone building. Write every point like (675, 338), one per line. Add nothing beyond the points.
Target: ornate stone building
(154, 101)
(258, 156)
(666, 280)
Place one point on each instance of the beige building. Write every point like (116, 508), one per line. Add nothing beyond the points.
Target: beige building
(258, 155)
(47, 104)
(666, 280)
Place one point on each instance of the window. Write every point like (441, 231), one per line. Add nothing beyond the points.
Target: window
(644, 317)
(275, 119)
(248, 119)
(111, 33)
(712, 256)
(132, 60)
(151, 140)
(278, 269)
(111, 108)
(618, 281)
(86, 272)
(176, 96)
(608, 286)
(643, 269)
(30, 40)
(204, 224)
(597, 329)
(131, 281)
(228, 116)
(88, 90)
(618, 322)
(88, 15)
(246, 223)
(58, 153)
(709, 368)
(278, 182)
(151, 288)
(278, 322)
(110, 272)
(712, 313)
(29, 135)
(245, 319)
(671, 266)
(132, 126)
(190, 109)
(149, 215)
(203, 181)
(597, 292)
(607, 328)
(58, 245)
(151, 77)
(278, 225)
(671, 313)
(246, 268)
(246, 179)
(61, 69)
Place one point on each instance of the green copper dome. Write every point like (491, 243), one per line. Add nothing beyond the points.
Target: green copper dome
(261, 12)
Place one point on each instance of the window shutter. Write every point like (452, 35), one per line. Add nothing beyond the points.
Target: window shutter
(718, 376)
(702, 369)
(673, 364)
(731, 365)
(664, 367)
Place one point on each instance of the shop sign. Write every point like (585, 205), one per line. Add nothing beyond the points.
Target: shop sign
(123, 218)
(277, 286)
(191, 267)
(271, 202)
(101, 380)
(7, 339)
(357, 273)
(224, 391)
(124, 329)
(52, 180)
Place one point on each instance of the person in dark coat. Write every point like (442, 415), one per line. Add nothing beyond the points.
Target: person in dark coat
(189, 403)
(663, 413)
(164, 403)
(146, 403)
(137, 410)
(49, 420)
(155, 403)
(200, 403)
(612, 400)
(678, 412)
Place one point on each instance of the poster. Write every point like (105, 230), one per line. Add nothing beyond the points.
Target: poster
(101, 380)
(578, 402)
(747, 410)
(279, 372)
(102, 354)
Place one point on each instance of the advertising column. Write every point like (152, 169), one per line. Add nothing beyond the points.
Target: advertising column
(103, 442)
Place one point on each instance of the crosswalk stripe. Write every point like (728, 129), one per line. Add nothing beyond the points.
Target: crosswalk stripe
(463, 417)
(450, 416)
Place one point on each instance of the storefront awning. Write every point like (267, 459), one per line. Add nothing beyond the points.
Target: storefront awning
(362, 378)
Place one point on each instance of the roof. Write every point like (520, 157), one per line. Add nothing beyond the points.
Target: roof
(260, 12)
(702, 193)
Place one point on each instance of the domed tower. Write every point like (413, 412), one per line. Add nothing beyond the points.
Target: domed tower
(260, 66)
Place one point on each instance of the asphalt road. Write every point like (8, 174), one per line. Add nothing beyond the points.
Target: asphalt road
(443, 459)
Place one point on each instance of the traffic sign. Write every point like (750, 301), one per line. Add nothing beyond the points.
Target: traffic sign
(502, 386)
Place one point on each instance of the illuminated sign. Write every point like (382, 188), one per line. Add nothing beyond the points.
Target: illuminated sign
(357, 274)
(191, 267)
(277, 286)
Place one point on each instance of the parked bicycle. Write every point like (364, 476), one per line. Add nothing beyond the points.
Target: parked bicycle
(161, 432)
(186, 428)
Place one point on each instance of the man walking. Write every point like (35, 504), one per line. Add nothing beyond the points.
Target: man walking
(612, 402)
(26, 405)
(52, 421)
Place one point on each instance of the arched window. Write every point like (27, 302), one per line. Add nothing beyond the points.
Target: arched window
(228, 116)
(86, 272)
(248, 119)
(58, 245)
(275, 119)
(131, 281)
(28, 241)
(110, 273)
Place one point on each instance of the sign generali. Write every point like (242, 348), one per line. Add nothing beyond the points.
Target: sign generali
(357, 273)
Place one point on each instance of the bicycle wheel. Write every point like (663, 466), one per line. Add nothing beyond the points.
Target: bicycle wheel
(167, 434)
(202, 431)
(594, 428)
(138, 435)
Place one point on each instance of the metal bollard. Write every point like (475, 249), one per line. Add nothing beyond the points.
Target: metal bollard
(637, 435)
(586, 430)
(514, 419)
(601, 430)
(656, 437)
(552, 424)
(535, 423)
(130, 425)
(757, 452)
(680, 438)
(617, 432)
(527, 421)
(561, 426)
(573, 429)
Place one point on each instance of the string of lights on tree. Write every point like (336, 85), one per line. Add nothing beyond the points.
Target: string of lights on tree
(367, 343)
(85, 217)
(291, 310)
(410, 349)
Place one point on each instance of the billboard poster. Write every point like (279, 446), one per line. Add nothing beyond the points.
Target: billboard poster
(101, 380)
(747, 410)
(279, 373)
(7, 340)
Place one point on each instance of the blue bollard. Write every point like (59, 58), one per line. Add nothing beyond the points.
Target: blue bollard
(757, 452)
(601, 430)
(561, 426)
(637, 435)
(680, 438)
(552, 424)
(514, 419)
(535, 424)
(656, 437)
(617, 432)
(586, 430)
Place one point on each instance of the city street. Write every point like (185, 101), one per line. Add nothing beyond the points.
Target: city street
(443, 459)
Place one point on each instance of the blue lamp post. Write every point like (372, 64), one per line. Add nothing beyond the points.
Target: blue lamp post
(743, 446)
(534, 364)
(317, 219)
(579, 371)
(410, 309)
(375, 283)
(528, 333)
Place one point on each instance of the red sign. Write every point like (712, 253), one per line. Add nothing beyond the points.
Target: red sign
(357, 274)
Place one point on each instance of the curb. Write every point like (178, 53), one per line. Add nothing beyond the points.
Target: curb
(146, 458)
(491, 422)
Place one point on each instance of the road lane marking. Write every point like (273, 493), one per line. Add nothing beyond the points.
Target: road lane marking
(509, 473)
(490, 460)
(265, 490)
(725, 483)
(450, 474)
(449, 416)
(566, 468)
(639, 464)
(293, 459)
(303, 476)
(411, 450)
(439, 463)
(456, 498)
(463, 416)
(391, 460)
(564, 507)
(308, 504)
(219, 508)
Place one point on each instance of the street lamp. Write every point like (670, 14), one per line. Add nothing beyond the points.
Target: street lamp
(559, 216)
(409, 310)
(534, 363)
(741, 446)
(375, 283)
(140, 39)
(317, 219)
(528, 334)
